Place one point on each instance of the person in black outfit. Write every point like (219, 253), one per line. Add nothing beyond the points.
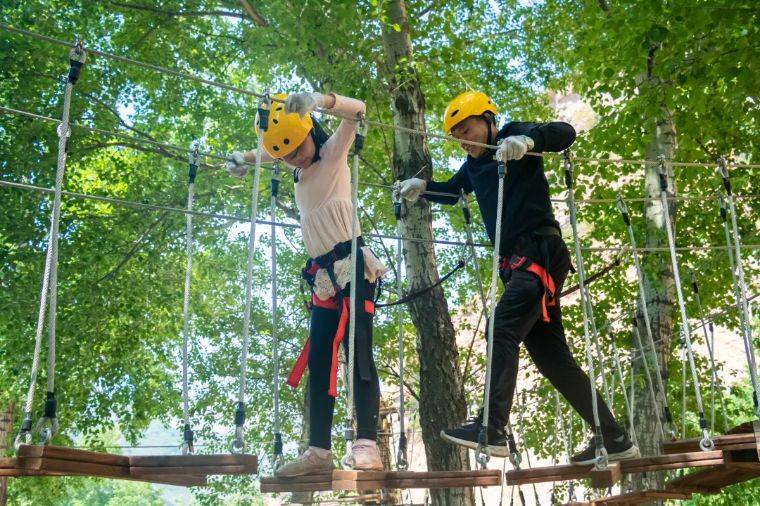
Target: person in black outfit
(534, 262)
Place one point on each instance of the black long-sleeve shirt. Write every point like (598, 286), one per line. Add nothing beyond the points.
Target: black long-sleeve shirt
(526, 190)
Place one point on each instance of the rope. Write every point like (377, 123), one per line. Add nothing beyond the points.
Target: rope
(742, 289)
(238, 444)
(275, 187)
(187, 445)
(666, 419)
(162, 145)
(706, 442)
(626, 399)
(48, 424)
(601, 452)
(711, 354)
(235, 89)
(483, 453)
(402, 462)
(648, 375)
(349, 432)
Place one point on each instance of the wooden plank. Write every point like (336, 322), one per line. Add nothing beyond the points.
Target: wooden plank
(307, 483)
(672, 461)
(455, 482)
(721, 442)
(192, 470)
(350, 475)
(715, 478)
(192, 460)
(308, 478)
(605, 478)
(72, 454)
(633, 498)
(74, 467)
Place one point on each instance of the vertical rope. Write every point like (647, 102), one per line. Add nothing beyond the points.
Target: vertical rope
(48, 424)
(666, 417)
(402, 462)
(238, 443)
(647, 373)
(349, 432)
(187, 445)
(601, 452)
(742, 288)
(275, 189)
(626, 399)
(714, 381)
(482, 453)
(706, 441)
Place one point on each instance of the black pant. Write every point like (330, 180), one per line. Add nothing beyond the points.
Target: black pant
(519, 319)
(324, 324)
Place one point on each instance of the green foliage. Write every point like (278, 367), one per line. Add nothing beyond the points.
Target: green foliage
(121, 272)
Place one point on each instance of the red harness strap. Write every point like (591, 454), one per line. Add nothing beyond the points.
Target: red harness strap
(297, 372)
(542, 274)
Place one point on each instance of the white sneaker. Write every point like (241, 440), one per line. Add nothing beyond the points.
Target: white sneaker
(365, 456)
(312, 461)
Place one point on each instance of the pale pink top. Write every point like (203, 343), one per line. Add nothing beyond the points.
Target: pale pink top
(323, 194)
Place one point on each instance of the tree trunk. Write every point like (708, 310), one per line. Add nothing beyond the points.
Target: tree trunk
(442, 403)
(6, 427)
(660, 292)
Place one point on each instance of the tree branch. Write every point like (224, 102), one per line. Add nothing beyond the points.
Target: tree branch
(254, 15)
(155, 10)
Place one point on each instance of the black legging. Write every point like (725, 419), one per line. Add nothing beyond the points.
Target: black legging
(519, 320)
(324, 324)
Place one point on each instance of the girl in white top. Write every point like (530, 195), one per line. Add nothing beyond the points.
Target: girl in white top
(323, 196)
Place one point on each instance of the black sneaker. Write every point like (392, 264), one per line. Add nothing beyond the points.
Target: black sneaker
(617, 449)
(467, 436)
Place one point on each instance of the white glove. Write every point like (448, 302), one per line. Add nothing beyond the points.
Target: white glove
(513, 148)
(236, 164)
(411, 189)
(304, 103)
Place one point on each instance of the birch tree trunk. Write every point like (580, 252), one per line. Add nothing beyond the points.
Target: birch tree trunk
(442, 403)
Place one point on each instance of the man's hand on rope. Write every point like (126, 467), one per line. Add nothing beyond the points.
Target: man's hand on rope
(304, 103)
(236, 164)
(513, 148)
(411, 189)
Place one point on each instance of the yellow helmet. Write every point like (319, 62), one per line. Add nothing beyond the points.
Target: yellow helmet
(469, 103)
(285, 131)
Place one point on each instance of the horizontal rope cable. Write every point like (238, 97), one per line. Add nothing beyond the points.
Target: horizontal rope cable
(217, 84)
(184, 150)
(242, 219)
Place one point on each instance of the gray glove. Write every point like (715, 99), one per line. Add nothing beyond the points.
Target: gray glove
(236, 164)
(304, 103)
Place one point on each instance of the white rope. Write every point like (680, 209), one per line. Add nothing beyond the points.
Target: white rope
(49, 423)
(402, 462)
(706, 442)
(238, 444)
(275, 185)
(601, 452)
(626, 399)
(235, 89)
(714, 381)
(349, 433)
(187, 445)
(483, 453)
(648, 375)
(666, 419)
(294, 226)
(597, 349)
(742, 290)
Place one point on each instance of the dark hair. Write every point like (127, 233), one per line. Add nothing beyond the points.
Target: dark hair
(319, 136)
